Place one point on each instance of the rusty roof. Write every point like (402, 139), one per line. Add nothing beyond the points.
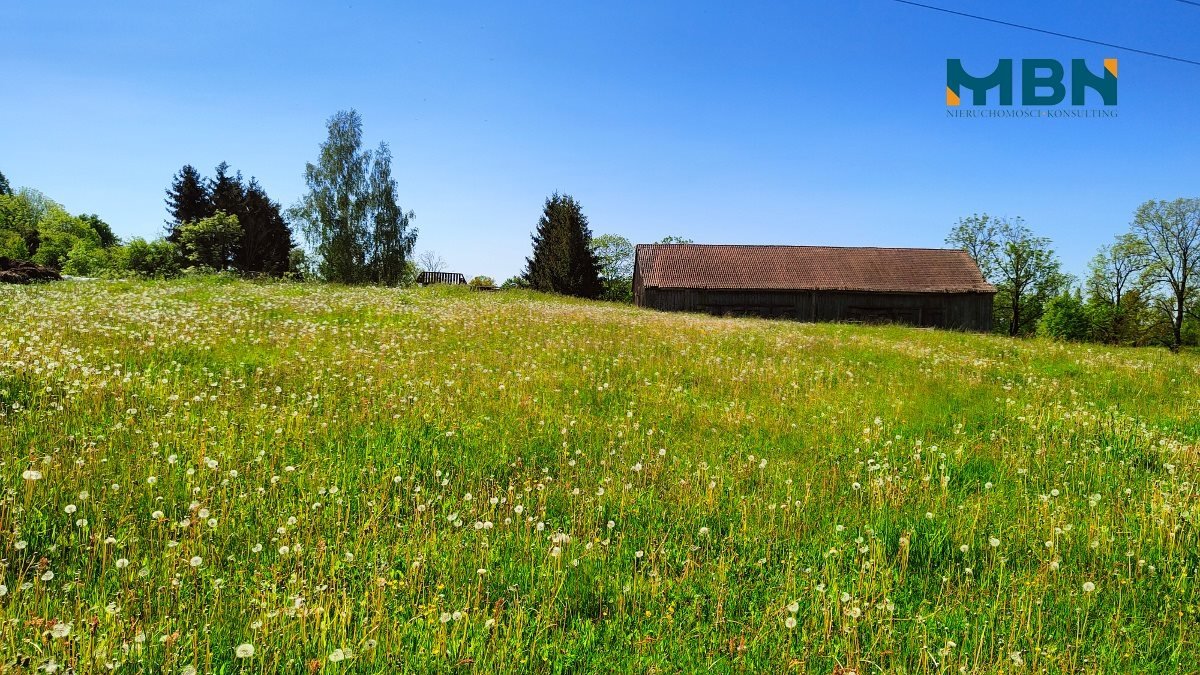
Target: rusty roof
(809, 268)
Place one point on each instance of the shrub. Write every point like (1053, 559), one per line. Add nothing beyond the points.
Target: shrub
(210, 242)
(1066, 318)
(155, 259)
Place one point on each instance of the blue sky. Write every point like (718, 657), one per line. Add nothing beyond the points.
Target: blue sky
(798, 123)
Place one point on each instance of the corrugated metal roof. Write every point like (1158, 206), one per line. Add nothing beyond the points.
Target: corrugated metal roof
(816, 268)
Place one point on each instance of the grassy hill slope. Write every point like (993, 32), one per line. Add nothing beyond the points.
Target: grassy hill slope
(426, 480)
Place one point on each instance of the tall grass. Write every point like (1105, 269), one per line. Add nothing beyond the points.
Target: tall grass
(379, 481)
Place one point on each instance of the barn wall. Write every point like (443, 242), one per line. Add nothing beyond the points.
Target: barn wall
(967, 311)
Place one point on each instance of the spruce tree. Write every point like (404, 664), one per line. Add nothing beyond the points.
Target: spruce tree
(563, 260)
(5, 188)
(188, 200)
(226, 191)
(266, 239)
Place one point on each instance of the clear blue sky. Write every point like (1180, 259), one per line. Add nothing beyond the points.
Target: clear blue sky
(801, 123)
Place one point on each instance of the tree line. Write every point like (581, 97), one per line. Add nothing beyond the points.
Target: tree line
(1141, 289)
(355, 230)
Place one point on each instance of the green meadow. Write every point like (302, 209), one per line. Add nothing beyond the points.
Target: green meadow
(210, 476)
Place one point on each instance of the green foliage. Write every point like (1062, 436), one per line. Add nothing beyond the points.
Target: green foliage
(103, 230)
(12, 245)
(19, 216)
(1022, 266)
(392, 235)
(1118, 298)
(265, 244)
(158, 259)
(1169, 236)
(515, 283)
(482, 281)
(299, 264)
(210, 242)
(34, 227)
(563, 260)
(59, 233)
(5, 188)
(188, 200)
(615, 254)
(1065, 317)
(672, 239)
(979, 236)
(86, 260)
(350, 214)
(265, 239)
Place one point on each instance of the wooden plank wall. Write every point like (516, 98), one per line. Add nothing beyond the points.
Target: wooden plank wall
(964, 311)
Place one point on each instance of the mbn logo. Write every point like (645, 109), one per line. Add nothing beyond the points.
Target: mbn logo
(1041, 82)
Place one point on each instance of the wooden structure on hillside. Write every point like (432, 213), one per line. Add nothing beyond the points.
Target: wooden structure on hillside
(940, 288)
(452, 278)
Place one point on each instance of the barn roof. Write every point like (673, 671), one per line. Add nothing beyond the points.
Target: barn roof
(441, 278)
(809, 268)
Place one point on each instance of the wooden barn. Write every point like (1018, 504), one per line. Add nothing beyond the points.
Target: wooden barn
(940, 288)
(452, 278)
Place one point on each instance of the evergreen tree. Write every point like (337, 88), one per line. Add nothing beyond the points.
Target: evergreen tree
(392, 238)
(5, 188)
(226, 191)
(266, 240)
(563, 260)
(188, 200)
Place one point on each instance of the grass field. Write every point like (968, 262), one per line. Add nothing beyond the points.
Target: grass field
(380, 481)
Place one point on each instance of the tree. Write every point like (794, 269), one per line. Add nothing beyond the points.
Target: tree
(226, 192)
(1115, 268)
(563, 260)
(430, 261)
(59, 233)
(153, 259)
(615, 254)
(672, 239)
(1170, 232)
(482, 281)
(18, 227)
(211, 242)
(978, 235)
(5, 188)
(1112, 276)
(34, 206)
(1066, 318)
(347, 202)
(265, 243)
(1028, 274)
(188, 200)
(392, 238)
(1022, 267)
(103, 230)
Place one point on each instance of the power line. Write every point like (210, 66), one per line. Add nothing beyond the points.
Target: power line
(1061, 35)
